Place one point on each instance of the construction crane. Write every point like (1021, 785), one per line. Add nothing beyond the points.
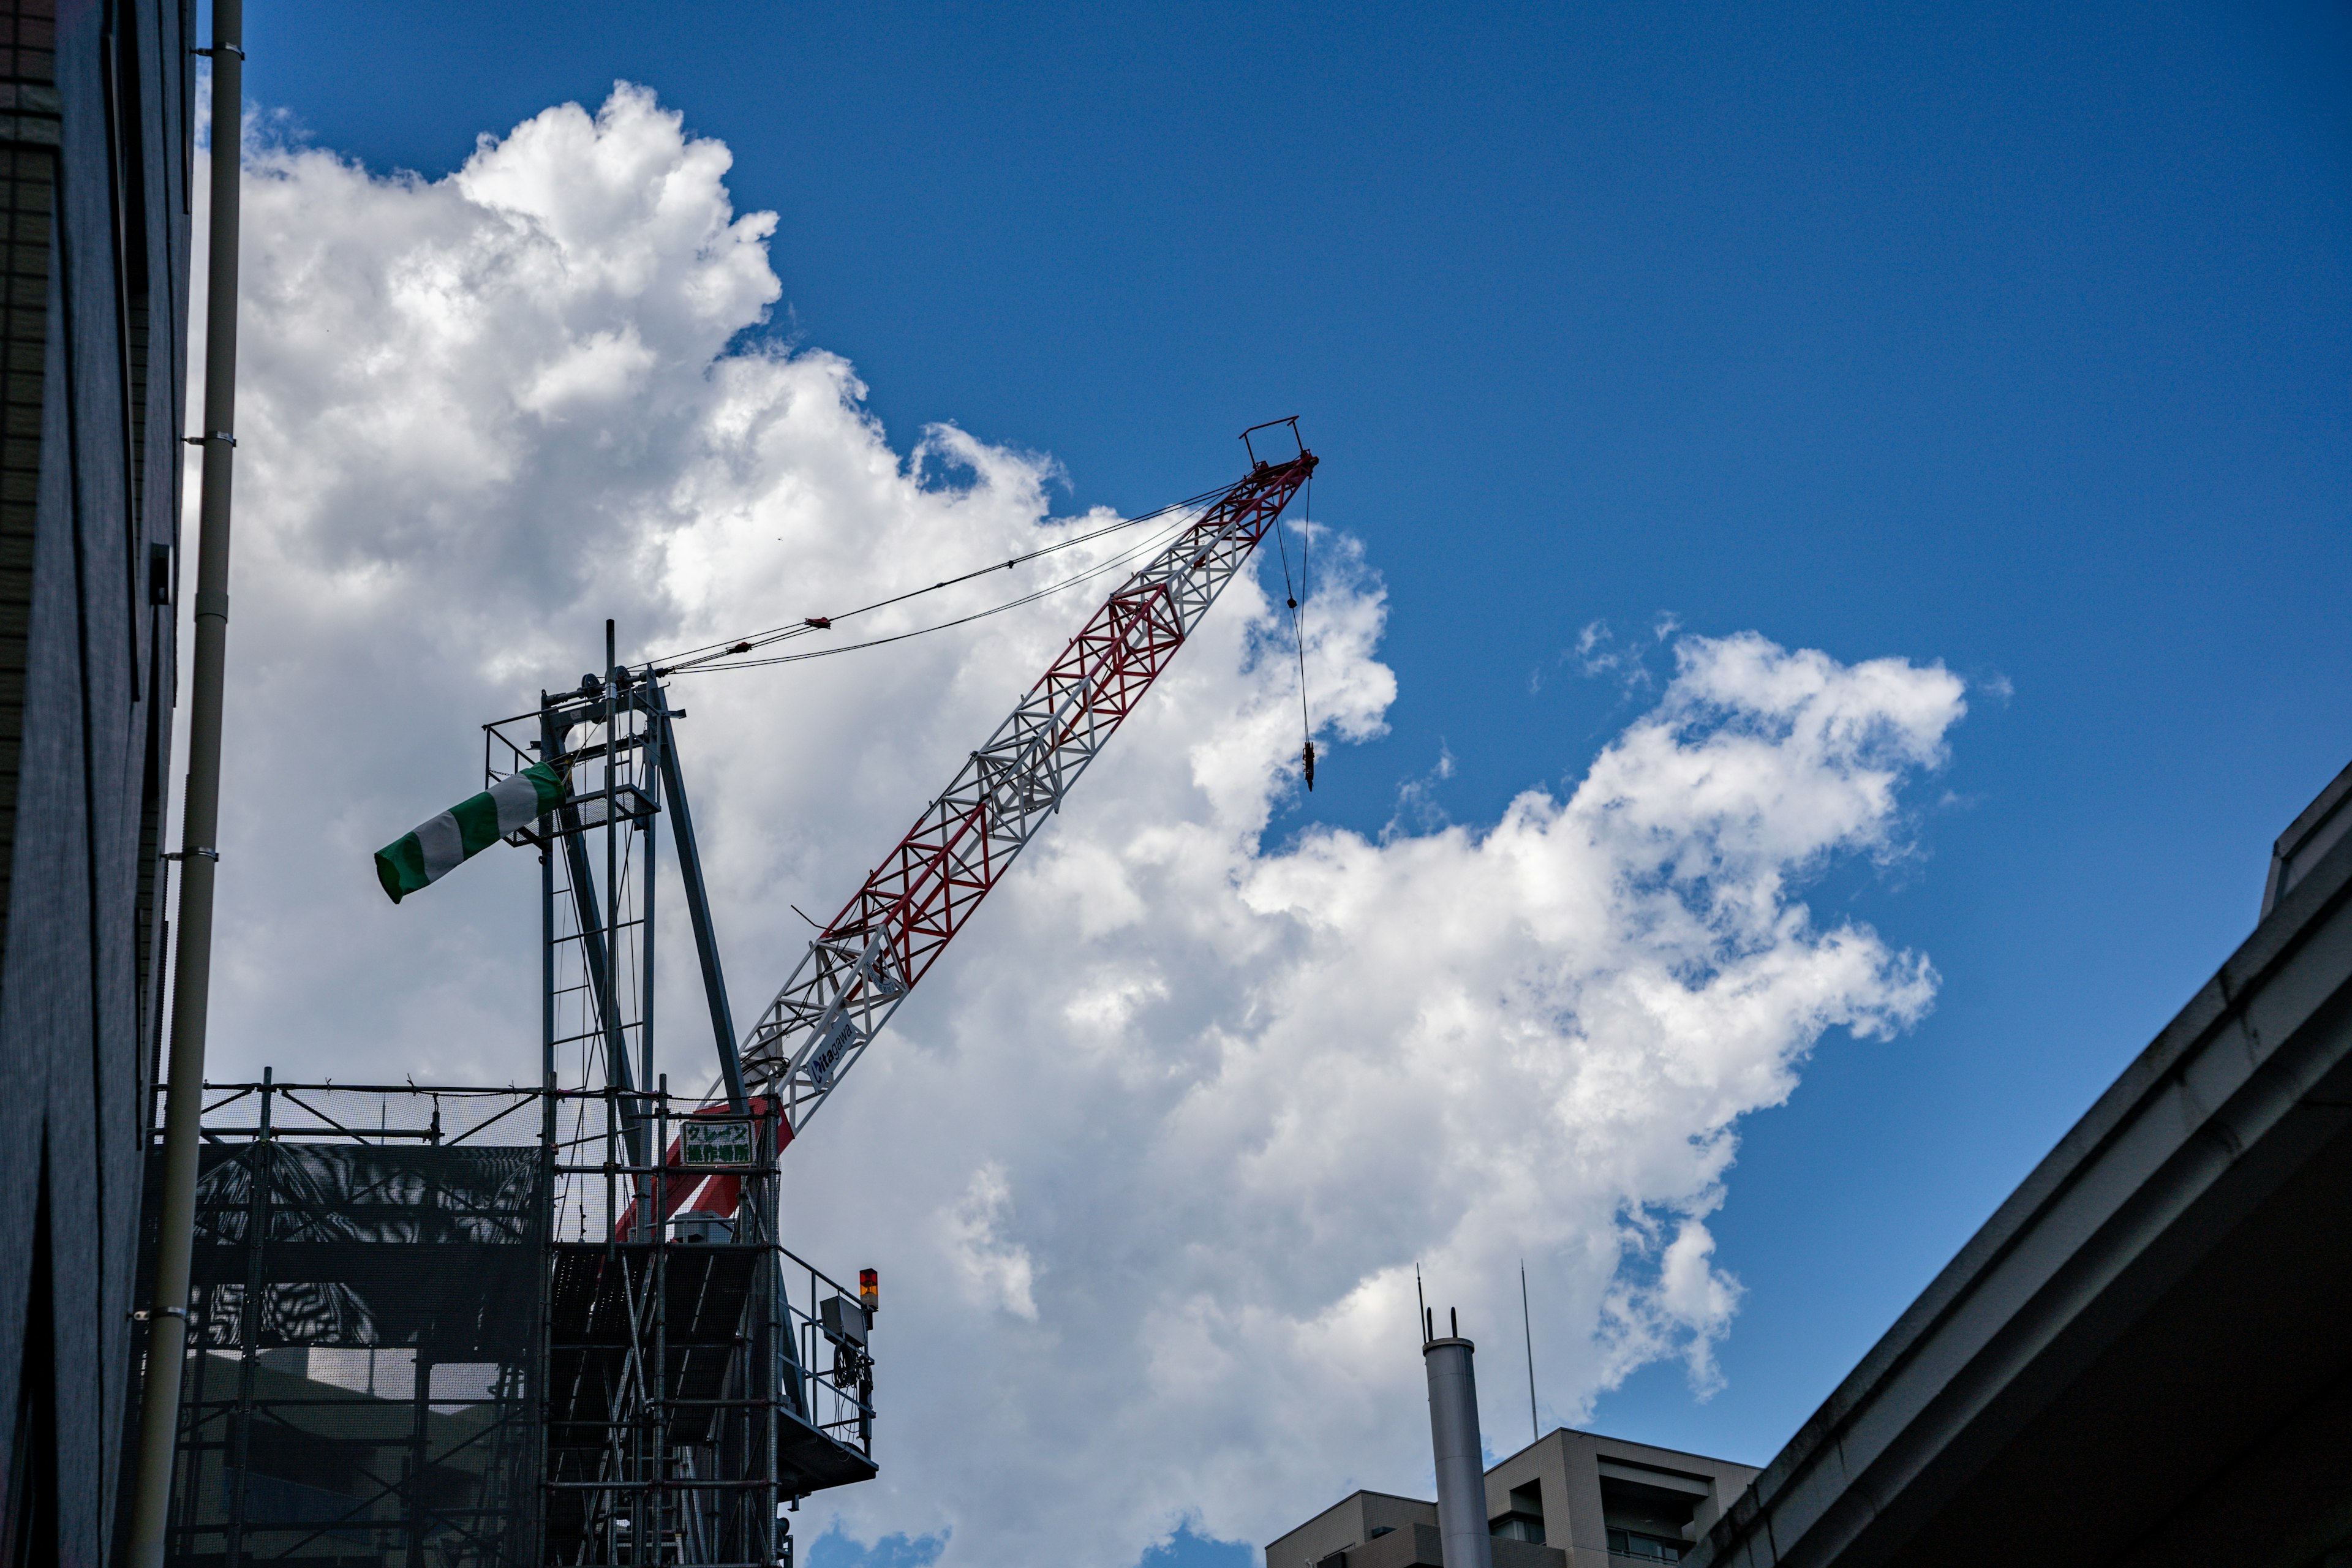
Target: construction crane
(677, 1303)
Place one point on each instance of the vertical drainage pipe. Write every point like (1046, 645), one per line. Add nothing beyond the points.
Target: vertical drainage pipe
(1461, 1457)
(167, 1317)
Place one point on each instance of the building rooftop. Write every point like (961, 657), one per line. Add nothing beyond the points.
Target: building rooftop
(1569, 1500)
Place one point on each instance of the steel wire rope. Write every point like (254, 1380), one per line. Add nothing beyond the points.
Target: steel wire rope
(708, 664)
(688, 658)
(1291, 597)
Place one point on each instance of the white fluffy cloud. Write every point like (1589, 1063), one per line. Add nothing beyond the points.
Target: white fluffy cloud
(1149, 1162)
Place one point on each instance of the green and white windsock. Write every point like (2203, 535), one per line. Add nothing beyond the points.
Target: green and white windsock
(419, 859)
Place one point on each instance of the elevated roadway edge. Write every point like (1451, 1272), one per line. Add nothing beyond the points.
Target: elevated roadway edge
(2145, 1355)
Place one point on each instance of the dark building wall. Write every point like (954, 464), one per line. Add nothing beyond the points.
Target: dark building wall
(94, 248)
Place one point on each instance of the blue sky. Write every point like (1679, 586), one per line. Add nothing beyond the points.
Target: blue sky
(2015, 337)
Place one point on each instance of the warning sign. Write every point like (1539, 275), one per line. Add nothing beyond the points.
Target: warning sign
(710, 1142)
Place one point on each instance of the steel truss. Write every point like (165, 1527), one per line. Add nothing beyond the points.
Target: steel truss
(863, 963)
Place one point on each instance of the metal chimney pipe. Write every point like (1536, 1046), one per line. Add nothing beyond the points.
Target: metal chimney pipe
(1461, 1457)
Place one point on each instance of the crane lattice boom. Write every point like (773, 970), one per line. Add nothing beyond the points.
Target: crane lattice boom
(883, 940)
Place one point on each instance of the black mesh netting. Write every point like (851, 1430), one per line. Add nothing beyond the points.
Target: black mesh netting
(362, 1324)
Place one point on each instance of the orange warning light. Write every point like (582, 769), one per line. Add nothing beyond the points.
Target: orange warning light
(870, 1290)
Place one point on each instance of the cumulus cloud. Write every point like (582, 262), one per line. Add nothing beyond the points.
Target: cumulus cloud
(995, 1274)
(1149, 1164)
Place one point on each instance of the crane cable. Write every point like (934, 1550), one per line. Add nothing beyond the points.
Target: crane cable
(704, 667)
(707, 654)
(1298, 620)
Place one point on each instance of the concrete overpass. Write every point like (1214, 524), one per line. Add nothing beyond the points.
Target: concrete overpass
(2145, 1356)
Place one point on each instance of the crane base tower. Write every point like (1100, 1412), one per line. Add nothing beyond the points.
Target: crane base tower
(502, 1328)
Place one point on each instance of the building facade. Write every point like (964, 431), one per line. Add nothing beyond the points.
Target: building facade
(1569, 1500)
(95, 161)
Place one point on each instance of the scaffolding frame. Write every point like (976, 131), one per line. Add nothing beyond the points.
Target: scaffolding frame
(660, 1403)
(322, 1247)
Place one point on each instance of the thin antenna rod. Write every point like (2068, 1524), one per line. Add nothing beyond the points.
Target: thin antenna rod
(1421, 1302)
(1527, 1326)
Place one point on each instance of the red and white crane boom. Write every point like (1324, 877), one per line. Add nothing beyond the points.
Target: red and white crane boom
(885, 939)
